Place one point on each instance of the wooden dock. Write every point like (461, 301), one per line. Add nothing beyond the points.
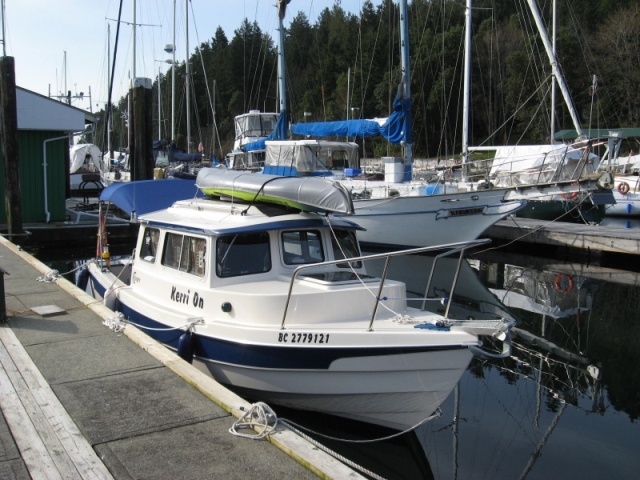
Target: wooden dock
(78, 400)
(589, 240)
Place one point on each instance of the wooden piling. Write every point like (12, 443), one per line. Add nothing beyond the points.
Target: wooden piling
(9, 140)
(141, 147)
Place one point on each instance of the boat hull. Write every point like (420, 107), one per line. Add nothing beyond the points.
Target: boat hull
(625, 206)
(350, 388)
(387, 386)
(430, 220)
(360, 377)
(563, 210)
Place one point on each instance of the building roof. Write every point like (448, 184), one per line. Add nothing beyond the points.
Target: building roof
(598, 133)
(37, 112)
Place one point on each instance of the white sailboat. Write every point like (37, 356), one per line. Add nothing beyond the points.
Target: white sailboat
(551, 171)
(517, 167)
(398, 214)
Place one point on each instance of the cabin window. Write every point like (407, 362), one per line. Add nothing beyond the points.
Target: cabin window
(345, 245)
(185, 253)
(301, 247)
(243, 254)
(149, 247)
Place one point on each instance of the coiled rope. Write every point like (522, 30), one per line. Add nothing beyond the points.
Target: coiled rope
(259, 419)
(262, 420)
(50, 277)
(53, 275)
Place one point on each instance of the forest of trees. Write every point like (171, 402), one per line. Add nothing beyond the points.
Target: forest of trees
(347, 65)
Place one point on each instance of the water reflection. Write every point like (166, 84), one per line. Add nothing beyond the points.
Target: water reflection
(565, 404)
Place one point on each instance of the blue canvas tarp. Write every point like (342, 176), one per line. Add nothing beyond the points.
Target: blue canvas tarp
(393, 128)
(279, 133)
(177, 155)
(145, 196)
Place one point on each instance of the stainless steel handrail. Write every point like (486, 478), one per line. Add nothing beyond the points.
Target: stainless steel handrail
(451, 248)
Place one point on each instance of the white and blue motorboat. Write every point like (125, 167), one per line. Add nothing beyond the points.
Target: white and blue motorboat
(267, 287)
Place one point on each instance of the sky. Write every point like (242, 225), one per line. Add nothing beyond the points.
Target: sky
(64, 45)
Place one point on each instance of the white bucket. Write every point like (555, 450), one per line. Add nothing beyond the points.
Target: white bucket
(394, 172)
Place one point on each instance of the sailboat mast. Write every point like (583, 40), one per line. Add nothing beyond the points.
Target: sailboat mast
(109, 99)
(554, 66)
(133, 73)
(553, 78)
(173, 78)
(406, 88)
(188, 78)
(466, 84)
(281, 73)
(159, 104)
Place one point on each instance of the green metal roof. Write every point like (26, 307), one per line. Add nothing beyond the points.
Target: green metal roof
(598, 133)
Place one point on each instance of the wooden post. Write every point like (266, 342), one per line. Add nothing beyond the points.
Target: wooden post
(142, 131)
(9, 139)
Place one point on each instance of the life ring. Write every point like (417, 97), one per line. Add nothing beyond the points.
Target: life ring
(563, 283)
(623, 188)
(569, 196)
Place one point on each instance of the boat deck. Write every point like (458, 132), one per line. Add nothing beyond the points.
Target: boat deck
(80, 401)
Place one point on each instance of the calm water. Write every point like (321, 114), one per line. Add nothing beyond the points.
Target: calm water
(564, 405)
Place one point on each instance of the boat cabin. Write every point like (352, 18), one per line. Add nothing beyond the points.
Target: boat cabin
(252, 126)
(309, 157)
(274, 246)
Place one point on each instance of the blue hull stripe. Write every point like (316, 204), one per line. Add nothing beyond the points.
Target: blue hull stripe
(270, 357)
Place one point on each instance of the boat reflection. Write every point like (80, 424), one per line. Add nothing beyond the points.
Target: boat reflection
(565, 403)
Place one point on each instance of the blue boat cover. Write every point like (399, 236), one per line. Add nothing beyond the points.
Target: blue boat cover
(145, 196)
(279, 133)
(392, 129)
(178, 155)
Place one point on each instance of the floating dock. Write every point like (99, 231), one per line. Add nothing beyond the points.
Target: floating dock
(79, 400)
(592, 241)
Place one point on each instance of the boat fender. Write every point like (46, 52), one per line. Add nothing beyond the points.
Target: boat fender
(82, 278)
(185, 346)
(563, 283)
(623, 188)
(569, 196)
(110, 298)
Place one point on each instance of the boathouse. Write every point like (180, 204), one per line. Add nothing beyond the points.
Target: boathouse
(44, 129)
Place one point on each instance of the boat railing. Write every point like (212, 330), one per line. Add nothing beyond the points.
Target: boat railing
(558, 164)
(443, 251)
(554, 167)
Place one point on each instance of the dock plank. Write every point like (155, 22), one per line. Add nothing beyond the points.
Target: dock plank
(32, 449)
(47, 437)
(565, 234)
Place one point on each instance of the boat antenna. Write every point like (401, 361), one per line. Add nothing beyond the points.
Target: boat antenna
(113, 67)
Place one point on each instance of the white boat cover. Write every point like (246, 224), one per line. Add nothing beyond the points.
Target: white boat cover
(84, 154)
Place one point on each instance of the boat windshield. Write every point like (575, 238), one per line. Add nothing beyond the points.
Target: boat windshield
(345, 245)
(185, 253)
(302, 247)
(243, 254)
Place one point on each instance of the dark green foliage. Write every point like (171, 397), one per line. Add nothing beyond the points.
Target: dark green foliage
(342, 65)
